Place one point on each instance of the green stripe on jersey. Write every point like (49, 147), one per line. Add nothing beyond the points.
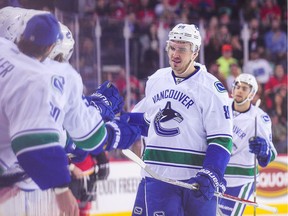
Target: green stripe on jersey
(223, 141)
(33, 140)
(232, 170)
(272, 156)
(166, 156)
(94, 140)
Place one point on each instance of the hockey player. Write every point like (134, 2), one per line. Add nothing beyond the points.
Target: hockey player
(35, 134)
(246, 144)
(189, 137)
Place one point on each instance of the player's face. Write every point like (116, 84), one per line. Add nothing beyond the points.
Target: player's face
(241, 92)
(179, 55)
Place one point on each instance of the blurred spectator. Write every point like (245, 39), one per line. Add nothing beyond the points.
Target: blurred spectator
(276, 89)
(235, 71)
(258, 67)
(225, 60)
(87, 63)
(102, 8)
(223, 34)
(269, 11)
(211, 30)
(256, 40)
(276, 42)
(237, 48)
(146, 15)
(150, 56)
(166, 6)
(251, 10)
(136, 88)
(214, 70)
(279, 131)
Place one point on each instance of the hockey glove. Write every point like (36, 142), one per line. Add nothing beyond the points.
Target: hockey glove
(102, 168)
(261, 148)
(74, 154)
(137, 119)
(105, 110)
(121, 135)
(207, 182)
(110, 95)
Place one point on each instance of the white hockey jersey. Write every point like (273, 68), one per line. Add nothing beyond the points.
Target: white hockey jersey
(184, 116)
(37, 100)
(240, 169)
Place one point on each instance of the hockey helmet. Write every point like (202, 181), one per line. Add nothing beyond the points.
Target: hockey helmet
(186, 33)
(11, 22)
(66, 46)
(250, 80)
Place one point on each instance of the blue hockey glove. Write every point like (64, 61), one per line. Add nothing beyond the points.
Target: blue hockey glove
(105, 110)
(261, 148)
(222, 186)
(110, 95)
(207, 182)
(137, 119)
(75, 154)
(121, 135)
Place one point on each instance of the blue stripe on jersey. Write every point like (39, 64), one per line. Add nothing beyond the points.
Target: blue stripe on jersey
(48, 167)
(216, 159)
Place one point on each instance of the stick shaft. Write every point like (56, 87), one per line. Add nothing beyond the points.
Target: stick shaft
(128, 153)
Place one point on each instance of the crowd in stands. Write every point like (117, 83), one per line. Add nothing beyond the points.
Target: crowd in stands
(222, 40)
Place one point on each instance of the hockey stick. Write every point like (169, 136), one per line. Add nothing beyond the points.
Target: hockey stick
(257, 104)
(128, 153)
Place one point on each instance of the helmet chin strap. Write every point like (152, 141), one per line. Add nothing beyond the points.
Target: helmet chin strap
(187, 68)
(249, 98)
(241, 103)
(185, 74)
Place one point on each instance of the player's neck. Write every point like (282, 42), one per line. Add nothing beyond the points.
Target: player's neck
(241, 108)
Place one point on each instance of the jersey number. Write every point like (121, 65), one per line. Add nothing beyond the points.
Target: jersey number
(54, 112)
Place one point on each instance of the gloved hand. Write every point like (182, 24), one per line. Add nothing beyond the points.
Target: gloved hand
(102, 171)
(261, 148)
(102, 168)
(108, 93)
(121, 134)
(105, 110)
(222, 186)
(74, 154)
(208, 182)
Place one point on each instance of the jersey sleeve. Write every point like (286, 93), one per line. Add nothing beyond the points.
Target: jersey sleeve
(264, 130)
(35, 134)
(217, 118)
(83, 122)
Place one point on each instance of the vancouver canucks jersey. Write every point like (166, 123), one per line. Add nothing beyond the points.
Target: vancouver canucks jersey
(240, 169)
(184, 116)
(37, 101)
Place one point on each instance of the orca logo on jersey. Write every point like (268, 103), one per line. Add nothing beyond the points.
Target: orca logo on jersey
(220, 87)
(58, 83)
(166, 115)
